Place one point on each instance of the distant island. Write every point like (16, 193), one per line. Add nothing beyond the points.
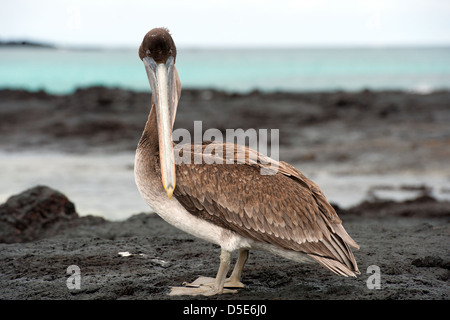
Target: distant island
(25, 43)
(36, 44)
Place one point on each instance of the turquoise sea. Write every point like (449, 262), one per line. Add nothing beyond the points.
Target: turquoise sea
(62, 70)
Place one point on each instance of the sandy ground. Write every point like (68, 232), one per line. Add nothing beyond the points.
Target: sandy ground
(357, 133)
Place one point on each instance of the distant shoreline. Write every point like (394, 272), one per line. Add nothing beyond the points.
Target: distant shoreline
(218, 92)
(26, 43)
(32, 43)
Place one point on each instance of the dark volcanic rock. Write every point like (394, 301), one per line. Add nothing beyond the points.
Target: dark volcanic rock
(430, 262)
(422, 206)
(368, 131)
(33, 214)
(411, 251)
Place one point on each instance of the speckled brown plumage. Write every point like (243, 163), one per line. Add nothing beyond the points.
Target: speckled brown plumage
(285, 209)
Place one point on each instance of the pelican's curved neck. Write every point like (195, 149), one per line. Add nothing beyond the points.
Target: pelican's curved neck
(149, 139)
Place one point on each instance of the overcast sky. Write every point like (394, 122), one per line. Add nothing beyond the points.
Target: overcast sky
(229, 23)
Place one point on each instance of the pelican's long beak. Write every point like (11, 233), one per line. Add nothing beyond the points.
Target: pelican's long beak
(162, 78)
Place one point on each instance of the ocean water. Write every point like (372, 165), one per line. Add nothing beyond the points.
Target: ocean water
(61, 71)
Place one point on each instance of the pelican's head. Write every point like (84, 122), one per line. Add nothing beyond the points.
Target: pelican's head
(158, 52)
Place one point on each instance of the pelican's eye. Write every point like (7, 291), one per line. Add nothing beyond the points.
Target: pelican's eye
(148, 53)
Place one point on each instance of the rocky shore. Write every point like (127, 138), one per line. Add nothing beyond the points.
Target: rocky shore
(366, 131)
(42, 234)
(141, 257)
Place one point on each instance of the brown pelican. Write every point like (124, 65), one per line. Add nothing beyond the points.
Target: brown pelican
(231, 205)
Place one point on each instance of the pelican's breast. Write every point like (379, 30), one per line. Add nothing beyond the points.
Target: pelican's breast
(150, 187)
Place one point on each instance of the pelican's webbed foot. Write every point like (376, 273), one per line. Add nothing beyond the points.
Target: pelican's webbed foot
(211, 286)
(204, 290)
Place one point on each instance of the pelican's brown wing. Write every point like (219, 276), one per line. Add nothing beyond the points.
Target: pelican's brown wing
(284, 209)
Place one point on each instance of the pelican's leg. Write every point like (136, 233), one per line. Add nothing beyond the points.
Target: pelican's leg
(234, 281)
(208, 288)
(225, 260)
